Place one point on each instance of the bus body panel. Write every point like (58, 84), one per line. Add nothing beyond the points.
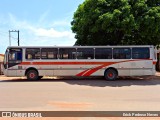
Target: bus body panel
(130, 68)
(86, 67)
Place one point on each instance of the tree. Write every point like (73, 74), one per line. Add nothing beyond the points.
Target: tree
(117, 22)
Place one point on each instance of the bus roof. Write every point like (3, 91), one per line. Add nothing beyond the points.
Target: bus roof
(80, 46)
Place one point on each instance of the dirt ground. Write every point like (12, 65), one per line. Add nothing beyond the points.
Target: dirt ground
(157, 76)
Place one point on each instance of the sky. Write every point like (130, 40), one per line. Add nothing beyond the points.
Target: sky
(40, 22)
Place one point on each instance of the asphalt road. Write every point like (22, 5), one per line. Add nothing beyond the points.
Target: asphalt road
(71, 94)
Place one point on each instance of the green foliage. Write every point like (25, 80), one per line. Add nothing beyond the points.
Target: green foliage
(117, 22)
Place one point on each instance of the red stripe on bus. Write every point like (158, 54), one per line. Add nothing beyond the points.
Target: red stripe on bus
(81, 73)
(64, 63)
(87, 72)
(76, 63)
(154, 62)
(94, 70)
(98, 68)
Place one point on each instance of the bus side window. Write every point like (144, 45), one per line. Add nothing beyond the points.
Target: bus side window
(85, 53)
(103, 53)
(67, 53)
(49, 53)
(122, 53)
(140, 53)
(32, 53)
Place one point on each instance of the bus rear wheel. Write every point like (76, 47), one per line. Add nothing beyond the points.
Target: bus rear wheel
(32, 75)
(111, 74)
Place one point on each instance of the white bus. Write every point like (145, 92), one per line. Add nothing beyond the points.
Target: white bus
(108, 61)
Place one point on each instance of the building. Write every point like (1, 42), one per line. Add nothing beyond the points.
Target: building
(1, 60)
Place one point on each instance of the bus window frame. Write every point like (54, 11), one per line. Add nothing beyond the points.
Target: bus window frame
(88, 57)
(133, 57)
(26, 55)
(59, 54)
(130, 57)
(54, 58)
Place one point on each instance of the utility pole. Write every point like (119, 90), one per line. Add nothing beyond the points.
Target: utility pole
(18, 37)
(10, 36)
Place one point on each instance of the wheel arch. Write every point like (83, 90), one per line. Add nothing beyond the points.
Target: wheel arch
(31, 68)
(112, 69)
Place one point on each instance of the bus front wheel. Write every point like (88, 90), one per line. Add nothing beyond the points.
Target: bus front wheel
(32, 75)
(111, 74)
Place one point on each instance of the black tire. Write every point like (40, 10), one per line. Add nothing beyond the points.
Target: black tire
(32, 75)
(110, 74)
(40, 77)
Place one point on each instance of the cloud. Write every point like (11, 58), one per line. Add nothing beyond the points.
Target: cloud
(53, 33)
(64, 23)
(40, 33)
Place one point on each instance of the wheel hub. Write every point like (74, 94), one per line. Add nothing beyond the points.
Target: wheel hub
(32, 75)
